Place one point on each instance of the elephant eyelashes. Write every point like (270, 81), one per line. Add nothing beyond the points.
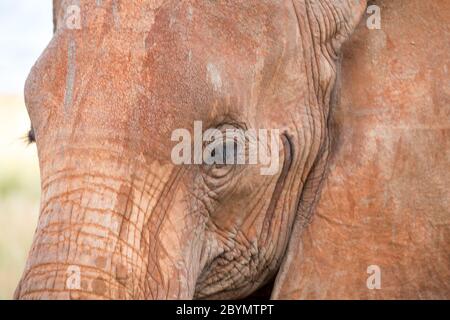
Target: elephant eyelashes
(30, 138)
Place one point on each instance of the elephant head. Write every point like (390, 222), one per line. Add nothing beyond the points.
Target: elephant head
(104, 100)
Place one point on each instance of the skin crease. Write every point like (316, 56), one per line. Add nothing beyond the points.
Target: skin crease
(385, 199)
(103, 101)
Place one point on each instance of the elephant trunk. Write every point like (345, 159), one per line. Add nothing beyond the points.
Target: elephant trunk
(119, 232)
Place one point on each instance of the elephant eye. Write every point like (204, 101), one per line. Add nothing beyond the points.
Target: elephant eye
(223, 153)
(227, 154)
(222, 159)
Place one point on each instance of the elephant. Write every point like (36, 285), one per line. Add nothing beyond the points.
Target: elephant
(359, 145)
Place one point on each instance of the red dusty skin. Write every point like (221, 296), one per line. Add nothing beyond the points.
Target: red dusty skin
(385, 200)
(109, 217)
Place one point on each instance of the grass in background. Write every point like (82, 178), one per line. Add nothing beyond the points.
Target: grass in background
(19, 193)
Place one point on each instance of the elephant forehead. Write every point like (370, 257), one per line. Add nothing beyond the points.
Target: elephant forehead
(200, 56)
(136, 15)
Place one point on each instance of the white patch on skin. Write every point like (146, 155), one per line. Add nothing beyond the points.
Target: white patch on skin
(70, 79)
(172, 21)
(115, 14)
(190, 13)
(257, 72)
(378, 42)
(214, 76)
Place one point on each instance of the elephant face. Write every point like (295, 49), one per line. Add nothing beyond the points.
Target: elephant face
(105, 100)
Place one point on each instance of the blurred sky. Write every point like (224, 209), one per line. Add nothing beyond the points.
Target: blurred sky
(26, 28)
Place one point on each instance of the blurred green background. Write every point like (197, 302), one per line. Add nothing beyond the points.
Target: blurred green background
(25, 30)
(19, 192)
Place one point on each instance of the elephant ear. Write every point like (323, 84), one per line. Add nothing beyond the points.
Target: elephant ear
(327, 24)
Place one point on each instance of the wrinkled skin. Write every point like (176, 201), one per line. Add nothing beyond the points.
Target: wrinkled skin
(103, 101)
(385, 199)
